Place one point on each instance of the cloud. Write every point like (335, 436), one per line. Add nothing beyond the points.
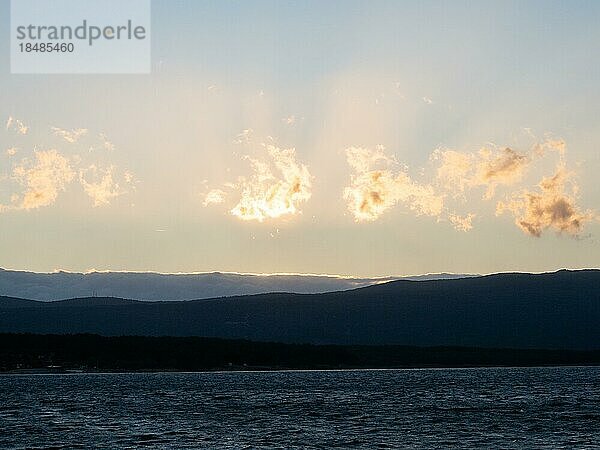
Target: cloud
(462, 223)
(129, 177)
(499, 167)
(488, 168)
(550, 207)
(290, 120)
(99, 184)
(17, 125)
(43, 179)
(375, 190)
(455, 170)
(558, 145)
(267, 194)
(427, 100)
(214, 196)
(244, 137)
(106, 143)
(377, 186)
(71, 136)
(22, 128)
(49, 172)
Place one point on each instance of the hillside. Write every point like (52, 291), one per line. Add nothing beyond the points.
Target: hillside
(150, 286)
(558, 310)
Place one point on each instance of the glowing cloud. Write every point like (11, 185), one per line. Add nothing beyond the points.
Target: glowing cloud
(71, 136)
(22, 128)
(244, 137)
(373, 191)
(214, 196)
(490, 167)
(376, 187)
(17, 125)
(265, 195)
(43, 176)
(290, 120)
(557, 145)
(462, 223)
(455, 169)
(499, 167)
(43, 179)
(102, 188)
(551, 207)
(106, 143)
(129, 177)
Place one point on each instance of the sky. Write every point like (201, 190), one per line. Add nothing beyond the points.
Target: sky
(343, 137)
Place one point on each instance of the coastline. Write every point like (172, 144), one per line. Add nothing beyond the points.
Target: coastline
(89, 353)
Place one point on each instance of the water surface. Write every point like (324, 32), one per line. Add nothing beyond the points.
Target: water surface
(504, 407)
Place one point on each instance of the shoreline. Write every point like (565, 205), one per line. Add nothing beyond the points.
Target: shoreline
(90, 353)
(287, 370)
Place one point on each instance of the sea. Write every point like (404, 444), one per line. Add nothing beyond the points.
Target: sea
(423, 408)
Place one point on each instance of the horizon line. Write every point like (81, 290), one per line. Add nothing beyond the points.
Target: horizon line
(298, 274)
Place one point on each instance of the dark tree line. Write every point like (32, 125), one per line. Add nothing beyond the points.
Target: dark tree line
(131, 353)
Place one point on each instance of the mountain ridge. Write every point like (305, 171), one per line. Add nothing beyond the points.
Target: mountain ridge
(153, 286)
(553, 310)
(382, 285)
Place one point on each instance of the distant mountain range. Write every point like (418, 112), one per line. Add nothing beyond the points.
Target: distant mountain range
(157, 286)
(559, 310)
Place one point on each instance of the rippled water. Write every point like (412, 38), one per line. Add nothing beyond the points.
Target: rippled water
(538, 407)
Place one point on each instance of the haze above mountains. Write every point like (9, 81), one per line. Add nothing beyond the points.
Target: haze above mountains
(149, 286)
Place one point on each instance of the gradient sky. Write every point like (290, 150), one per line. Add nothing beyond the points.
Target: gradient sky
(427, 96)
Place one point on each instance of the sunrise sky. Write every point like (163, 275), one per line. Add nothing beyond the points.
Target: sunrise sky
(357, 138)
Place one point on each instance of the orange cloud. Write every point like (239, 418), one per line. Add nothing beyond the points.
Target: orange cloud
(551, 207)
(17, 125)
(374, 190)
(71, 136)
(276, 187)
(43, 179)
(99, 184)
(214, 196)
(489, 168)
(462, 223)
(267, 194)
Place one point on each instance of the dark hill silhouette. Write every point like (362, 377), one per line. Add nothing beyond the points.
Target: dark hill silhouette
(558, 310)
(150, 286)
